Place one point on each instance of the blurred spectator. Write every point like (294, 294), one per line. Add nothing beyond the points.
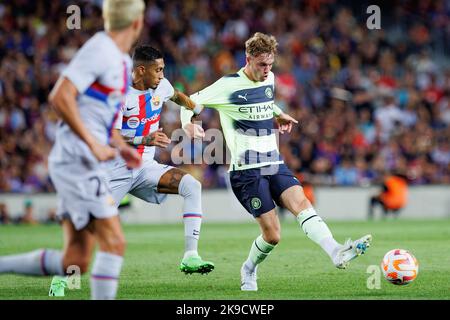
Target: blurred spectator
(366, 100)
(346, 173)
(28, 216)
(392, 198)
(388, 116)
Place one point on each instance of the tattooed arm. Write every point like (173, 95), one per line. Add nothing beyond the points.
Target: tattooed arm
(157, 139)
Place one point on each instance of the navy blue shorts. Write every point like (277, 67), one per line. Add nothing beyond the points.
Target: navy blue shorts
(257, 189)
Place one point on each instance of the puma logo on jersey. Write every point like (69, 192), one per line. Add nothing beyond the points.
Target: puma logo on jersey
(243, 97)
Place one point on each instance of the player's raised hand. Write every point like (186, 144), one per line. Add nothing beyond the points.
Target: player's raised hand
(131, 156)
(194, 131)
(157, 139)
(285, 123)
(103, 152)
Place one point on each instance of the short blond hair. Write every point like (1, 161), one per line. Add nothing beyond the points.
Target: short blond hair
(120, 14)
(261, 43)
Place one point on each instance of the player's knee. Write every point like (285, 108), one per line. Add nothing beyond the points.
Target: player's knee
(272, 238)
(189, 186)
(195, 185)
(300, 203)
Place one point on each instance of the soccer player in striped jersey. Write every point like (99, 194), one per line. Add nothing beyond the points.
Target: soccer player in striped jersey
(258, 175)
(138, 122)
(88, 96)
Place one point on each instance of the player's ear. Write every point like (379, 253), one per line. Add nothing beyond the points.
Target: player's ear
(138, 24)
(140, 71)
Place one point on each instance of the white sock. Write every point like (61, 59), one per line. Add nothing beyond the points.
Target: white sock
(317, 230)
(105, 276)
(258, 253)
(330, 246)
(191, 190)
(39, 262)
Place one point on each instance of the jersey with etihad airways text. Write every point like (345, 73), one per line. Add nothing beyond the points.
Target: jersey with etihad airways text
(246, 110)
(141, 114)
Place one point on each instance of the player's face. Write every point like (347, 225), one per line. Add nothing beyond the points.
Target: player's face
(154, 73)
(260, 66)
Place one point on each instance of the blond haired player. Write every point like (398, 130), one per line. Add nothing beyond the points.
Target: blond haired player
(88, 96)
(258, 175)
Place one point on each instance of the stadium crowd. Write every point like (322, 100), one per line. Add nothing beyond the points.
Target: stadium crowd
(368, 101)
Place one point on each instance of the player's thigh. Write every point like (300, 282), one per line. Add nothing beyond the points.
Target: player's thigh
(170, 180)
(78, 246)
(109, 234)
(287, 191)
(270, 226)
(294, 199)
(145, 185)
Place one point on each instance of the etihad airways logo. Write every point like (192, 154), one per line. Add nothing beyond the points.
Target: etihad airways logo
(256, 109)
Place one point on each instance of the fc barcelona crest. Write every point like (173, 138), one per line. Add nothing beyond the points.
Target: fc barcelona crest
(156, 101)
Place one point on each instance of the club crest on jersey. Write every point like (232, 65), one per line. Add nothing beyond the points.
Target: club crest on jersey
(269, 93)
(133, 122)
(156, 101)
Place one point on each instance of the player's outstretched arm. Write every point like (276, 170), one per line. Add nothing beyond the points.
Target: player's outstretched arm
(188, 109)
(212, 96)
(63, 99)
(183, 100)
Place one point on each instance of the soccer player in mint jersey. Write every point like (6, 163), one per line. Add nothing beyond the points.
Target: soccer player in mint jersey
(88, 96)
(259, 178)
(138, 122)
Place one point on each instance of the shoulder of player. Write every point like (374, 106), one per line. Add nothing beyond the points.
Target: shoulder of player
(132, 98)
(165, 89)
(165, 84)
(102, 45)
(228, 81)
(231, 75)
(98, 41)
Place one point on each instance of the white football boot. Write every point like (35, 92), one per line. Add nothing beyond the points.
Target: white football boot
(351, 250)
(248, 279)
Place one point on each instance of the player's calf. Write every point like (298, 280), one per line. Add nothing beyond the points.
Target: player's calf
(190, 189)
(39, 262)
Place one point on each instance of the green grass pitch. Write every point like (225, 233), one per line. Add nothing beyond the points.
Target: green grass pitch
(296, 269)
